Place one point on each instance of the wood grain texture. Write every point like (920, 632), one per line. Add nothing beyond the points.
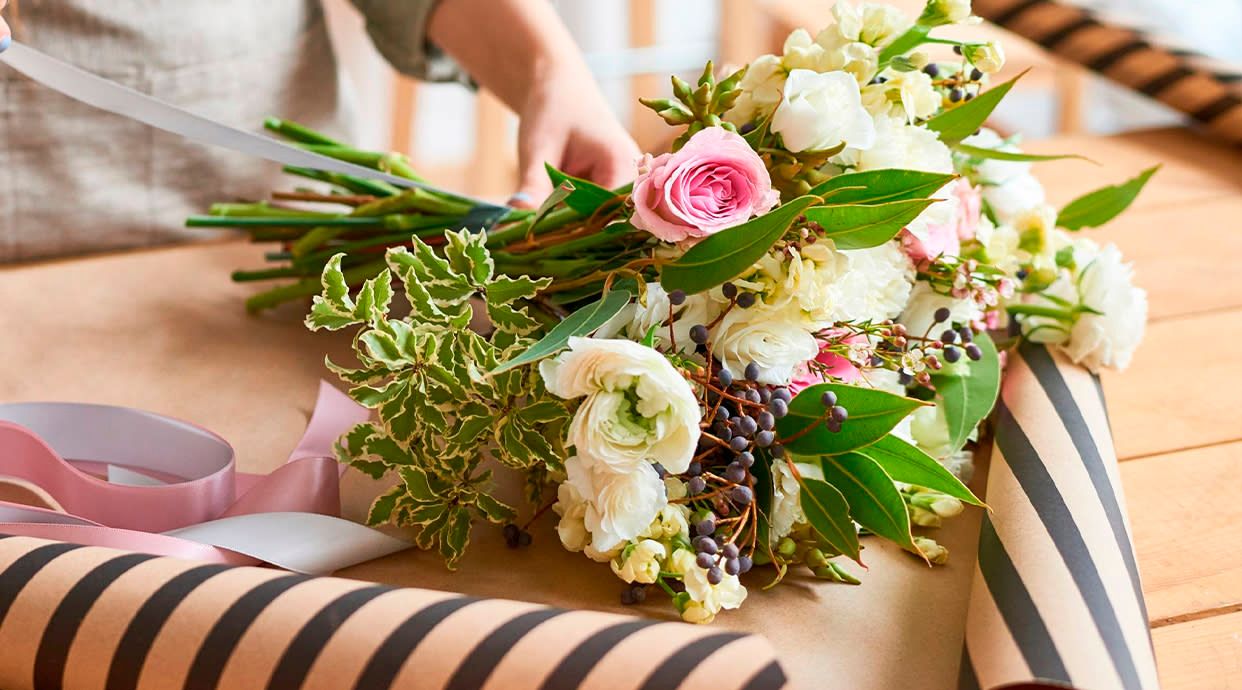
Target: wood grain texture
(1201, 655)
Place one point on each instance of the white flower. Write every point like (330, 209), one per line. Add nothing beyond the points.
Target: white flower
(762, 88)
(777, 339)
(786, 497)
(706, 599)
(919, 315)
(1037, 236)
(909, 95)
(1109, 338)
(672, 521)
(571, 506)
(821, 111)
(874, 24)
(989, 57)
(938, 12)
(930, 429)
(619, 505)
(992, 171)
(638, 318)
(638, 408)
(802, 52)
(640, 562)
(875, 286)
(1012, 197)
(905, 146)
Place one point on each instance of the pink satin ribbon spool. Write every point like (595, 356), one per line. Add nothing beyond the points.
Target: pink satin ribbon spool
(187, 484)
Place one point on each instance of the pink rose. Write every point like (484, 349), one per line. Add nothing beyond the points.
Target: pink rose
(946, 239)
(715, 181)
(969, 208)
(836, 366)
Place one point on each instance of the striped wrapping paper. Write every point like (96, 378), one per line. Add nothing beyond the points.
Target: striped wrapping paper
(1056, 599)
(82, 617)
(1207, 91)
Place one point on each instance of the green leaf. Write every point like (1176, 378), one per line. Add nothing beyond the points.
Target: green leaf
(455, 537)
(423, 265)
(332, 309)
(508, 319)
(828, 513)
(506, 289)
(581, 322)
(1017, 156)
(958, 123)
(729, 253)
(381, 508)
(861, 227)
(467, 254)
(1102, 205)
(762, 473)
(493, 510)
(906, 463)
(586, 196)
(874, 501)
(881, 186)
(969, 393)
(872, 414)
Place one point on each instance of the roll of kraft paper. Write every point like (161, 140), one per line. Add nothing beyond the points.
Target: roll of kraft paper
(1056, 599)
(1208, 91)
(85, 618)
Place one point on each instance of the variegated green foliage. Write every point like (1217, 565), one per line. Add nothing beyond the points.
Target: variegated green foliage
(439, 412)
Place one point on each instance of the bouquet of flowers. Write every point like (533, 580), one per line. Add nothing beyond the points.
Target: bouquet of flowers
(784, 336)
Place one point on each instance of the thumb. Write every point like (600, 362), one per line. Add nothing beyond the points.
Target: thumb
(533, 183)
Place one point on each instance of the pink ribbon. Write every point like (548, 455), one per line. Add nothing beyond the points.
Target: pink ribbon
(188, 486)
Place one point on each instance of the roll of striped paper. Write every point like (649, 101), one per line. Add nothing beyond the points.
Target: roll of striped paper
(1056, 599)
(84, 617)
(1206, 90)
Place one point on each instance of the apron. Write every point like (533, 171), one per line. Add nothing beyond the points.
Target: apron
(75, 180)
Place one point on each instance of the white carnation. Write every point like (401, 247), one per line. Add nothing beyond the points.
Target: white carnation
(619, 505)
(1013, 197)
(821, 111)
(638, 318)
(786, 498)
(777, 339)
(1109, 338)
(905, 146)
(830, 286)
(761, 90)
(638, 408)
(641, 562)
(919, 316)
(876, 285)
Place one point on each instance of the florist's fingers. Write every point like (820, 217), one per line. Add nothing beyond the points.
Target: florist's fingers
(533, 183)
(619, 165)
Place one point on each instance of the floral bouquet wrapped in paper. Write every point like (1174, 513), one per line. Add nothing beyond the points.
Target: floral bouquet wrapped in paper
(781, 339)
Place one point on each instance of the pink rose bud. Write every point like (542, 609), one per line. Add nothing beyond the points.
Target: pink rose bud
(715, 181)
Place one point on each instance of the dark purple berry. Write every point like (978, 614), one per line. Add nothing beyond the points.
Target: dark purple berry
(705, 527)
(639, 593)
(524, 538)
(955, 95)
(782, 394)
(833, 425)
(511, 533)
(698, 333)
(777, 450)
(742, 495)
(767, 420)
(729, 290)
(952, 354)
(733, 566)
(695, 468)
(722, 413)
(748, 425)
(745, 563)
(828, 399)
(705, 561)
(677, 297)
(746, 459)
(729, 550)
(976, 74)
(942, 314)
(739, 443)
(973, 352)
(932, 70)
(735, 473)
(765, 395)
(948, 337)
(715, 575)
(627, 596)
(752, 372)
(746, 300)
(966, 334)
(779, 408)
(838, 413)
(763, 439)
(695, 486)
(957, 49)
(752, 395)
(705, 545)
(725, 377)
(905, 378)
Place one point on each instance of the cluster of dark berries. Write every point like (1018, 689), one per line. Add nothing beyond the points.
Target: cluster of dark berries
(635, 593)
(963, 86)
(716, 558)
(835, 414)
(516, 536)
(956, 339)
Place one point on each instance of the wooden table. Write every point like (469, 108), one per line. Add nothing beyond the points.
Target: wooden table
(140, 329)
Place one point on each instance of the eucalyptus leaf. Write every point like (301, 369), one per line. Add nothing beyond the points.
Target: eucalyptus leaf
(729, 253)
(969, 392)
(875, 503)
(1097, 208)
(582, 322)
(881, 186)
(872, 414)
(1016, 156)
(828, 513)
(906, 463)
(862, 227)
(957, 123)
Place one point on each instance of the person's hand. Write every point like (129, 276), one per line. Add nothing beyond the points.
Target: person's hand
(6, 36)
(566, 122)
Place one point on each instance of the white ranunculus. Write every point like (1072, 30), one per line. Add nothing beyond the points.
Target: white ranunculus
(919, 315)
(619, 505)
(821, 111)
(908, 95)
(706, 599)
(905, 146)
(638, 408)
(930, 429)
(777, 339)
(875, 286)
(638, 318)
(802, 52)
(1107, 339)
(1010, 198)
(642, 562)
(571, 506)
(786, 497)
(672, 521)
(762, 88)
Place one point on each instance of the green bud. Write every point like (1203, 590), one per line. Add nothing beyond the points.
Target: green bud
(724, 100)
(815, 558)
(702, 97)
(708, 78)
(712, 120)
(923, 517)
(834, 572)
(731, 82)
(935, 553)
(681, 600)
(676, 116)
(786, 547)
(681, 89)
